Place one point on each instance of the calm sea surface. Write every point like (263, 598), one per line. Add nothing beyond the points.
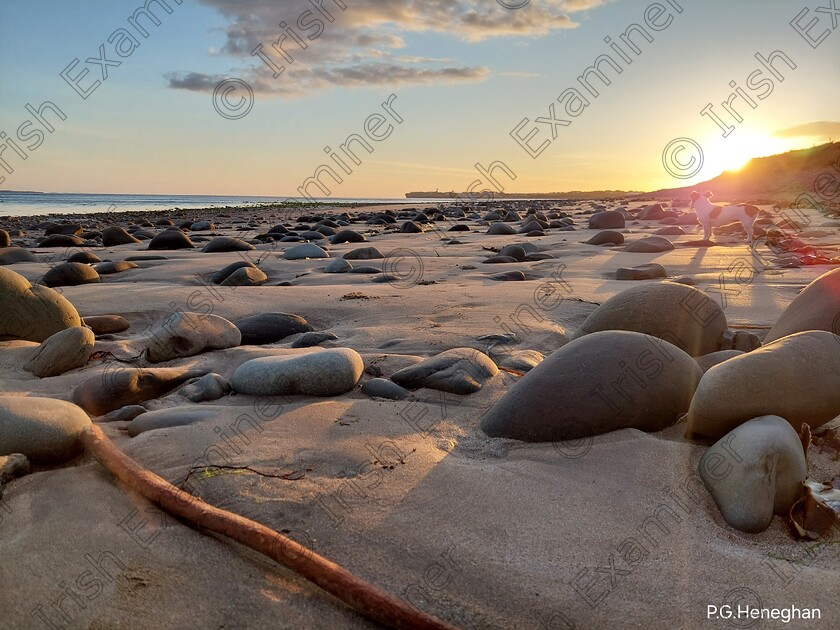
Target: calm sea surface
(27, 204)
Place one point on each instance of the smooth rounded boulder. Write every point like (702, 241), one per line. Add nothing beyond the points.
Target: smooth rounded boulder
(32, 313)
(226, 244)
(64, 351)
(817, 307)
(319, 373)
(220, 276)
(457, 371)
(117, 387)
(115, 235)
(170, 240)
(641, 272)
(363, 253)
(500, 228)
(607, 237)
(677, 313)
(383, 388)
(755, 471)
(710, 360)
(106, 324)
(12, 255)
(795, 377)
(208, 387)
(302, 252)
(266, 328)
(70, 274)
(602, 382)
(187, 334)
(245, 277)
(650, 245)
(112, 267)
(45, 430)
(609, 219)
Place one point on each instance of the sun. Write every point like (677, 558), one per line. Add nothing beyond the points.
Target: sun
(734, 152)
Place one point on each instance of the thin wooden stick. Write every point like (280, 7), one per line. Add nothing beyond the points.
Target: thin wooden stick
(363, 597)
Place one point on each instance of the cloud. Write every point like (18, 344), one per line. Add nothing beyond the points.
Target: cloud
(352, 42)
(821, 128)
(519, 74)
(309, 80)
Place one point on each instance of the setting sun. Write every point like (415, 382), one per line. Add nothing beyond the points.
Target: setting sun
(734, 152)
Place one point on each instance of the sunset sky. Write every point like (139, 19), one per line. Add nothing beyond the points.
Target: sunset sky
(465, 73)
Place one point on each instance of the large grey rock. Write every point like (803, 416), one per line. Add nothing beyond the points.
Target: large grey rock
(520, 360)
(364, 253)
(266, 328)
(607, 237)
(710, 360)
(795, 377)
(69, 274)
(500, 228)
(12, 467)
(114, 235)
(106, 324)
(118, 387)
(83, 256)
(383, 388)
(601, 382)
(226, 244)
(641, 272)
(64, 351)
(320, 373)
(307, 250)
(309, 339)
(123, 414)
(107, 268)
(347, 236)
(338, 265)
(171, 239)
(220, 276)
(31, 312)
(650, 245)
(458, 371)
(12, 255)
(208, 387)
(609, 219)
(817, 307)
(187, 334)
(43, 429)
(677, 313)
(754, 471)
(249, 276)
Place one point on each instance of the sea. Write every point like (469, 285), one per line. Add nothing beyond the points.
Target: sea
(14, 203)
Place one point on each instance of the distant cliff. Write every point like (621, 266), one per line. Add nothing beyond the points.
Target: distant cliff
(774, 179)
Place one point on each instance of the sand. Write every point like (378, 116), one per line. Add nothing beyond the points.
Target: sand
(612, 531)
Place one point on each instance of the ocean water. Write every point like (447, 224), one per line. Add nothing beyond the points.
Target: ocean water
(30, 203)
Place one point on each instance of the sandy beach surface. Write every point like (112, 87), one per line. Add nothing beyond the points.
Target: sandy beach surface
(615, 530)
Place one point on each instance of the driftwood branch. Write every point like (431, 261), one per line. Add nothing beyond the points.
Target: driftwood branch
(363, 597)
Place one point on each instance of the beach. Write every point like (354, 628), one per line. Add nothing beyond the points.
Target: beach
(614, 529)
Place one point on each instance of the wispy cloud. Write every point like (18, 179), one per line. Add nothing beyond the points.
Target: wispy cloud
(354, 45)
(519, 75)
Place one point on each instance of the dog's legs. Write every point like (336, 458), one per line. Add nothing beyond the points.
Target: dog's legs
(747, 224)
(707, 231)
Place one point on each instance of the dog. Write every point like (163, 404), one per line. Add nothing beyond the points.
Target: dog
(711, 215)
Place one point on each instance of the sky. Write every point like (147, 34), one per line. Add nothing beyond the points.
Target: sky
(187, 106)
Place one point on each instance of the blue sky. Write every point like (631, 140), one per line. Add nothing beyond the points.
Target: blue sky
(464, 72)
